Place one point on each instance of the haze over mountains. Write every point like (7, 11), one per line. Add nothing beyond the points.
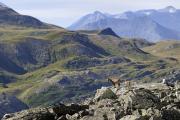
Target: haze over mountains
(153, 25)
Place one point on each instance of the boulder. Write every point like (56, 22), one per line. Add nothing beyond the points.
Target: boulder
(108, 113)
(61, 109)
(138, 99)
(106, 103)
(31, 114)
(134, 117)
(171, 114)
(177, 87)
(104, 93)
(149, 113)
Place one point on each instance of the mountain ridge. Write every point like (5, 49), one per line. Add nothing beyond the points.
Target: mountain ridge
(164, 23)
(9, 16)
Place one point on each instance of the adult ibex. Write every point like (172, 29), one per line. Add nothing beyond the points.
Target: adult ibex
(115, 82)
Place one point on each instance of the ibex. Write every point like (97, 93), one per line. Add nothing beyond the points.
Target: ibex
(128, 85)
(115, 82)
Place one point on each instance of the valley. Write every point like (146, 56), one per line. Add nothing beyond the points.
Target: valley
(59, 65)
(42, 64)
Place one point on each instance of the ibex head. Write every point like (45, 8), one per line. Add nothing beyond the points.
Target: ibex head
(115, 81)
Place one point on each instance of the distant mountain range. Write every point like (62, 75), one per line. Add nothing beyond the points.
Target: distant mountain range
(153, 25)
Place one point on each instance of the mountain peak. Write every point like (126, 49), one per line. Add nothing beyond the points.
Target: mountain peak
(169, 9)
(108, 31)
(96, 16)
(97, 12)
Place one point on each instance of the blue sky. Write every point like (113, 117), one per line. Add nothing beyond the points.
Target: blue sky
(65, 12)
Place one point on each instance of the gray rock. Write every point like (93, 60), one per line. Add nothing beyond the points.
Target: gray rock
(104, 93)
(171, 114)
(10, 104)
(134, 117)
(138, 99)
(31, 114)
(136, 104)
(61, 109)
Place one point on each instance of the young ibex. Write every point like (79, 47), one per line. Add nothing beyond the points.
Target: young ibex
(128, 85)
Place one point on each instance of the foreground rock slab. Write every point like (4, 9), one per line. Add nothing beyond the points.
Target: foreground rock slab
(134, 104)
(56, 112)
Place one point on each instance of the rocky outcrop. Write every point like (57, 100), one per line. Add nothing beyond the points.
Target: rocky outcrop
(111, 104)
(85, 62)
(104, 93)
(57, 112)
(108, 31)
(173, 76)
(138, 99)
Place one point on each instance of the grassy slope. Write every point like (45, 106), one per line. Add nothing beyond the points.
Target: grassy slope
(29, 83)
(165, 49)
(16, 33)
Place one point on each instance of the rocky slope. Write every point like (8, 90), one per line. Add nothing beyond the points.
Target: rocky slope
(10, 104)
(168, 49)
(154, 102)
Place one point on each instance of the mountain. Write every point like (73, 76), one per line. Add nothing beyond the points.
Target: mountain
(90, 18)
(44, 65)
(10, 17)
(167, 17)
(153, 25)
